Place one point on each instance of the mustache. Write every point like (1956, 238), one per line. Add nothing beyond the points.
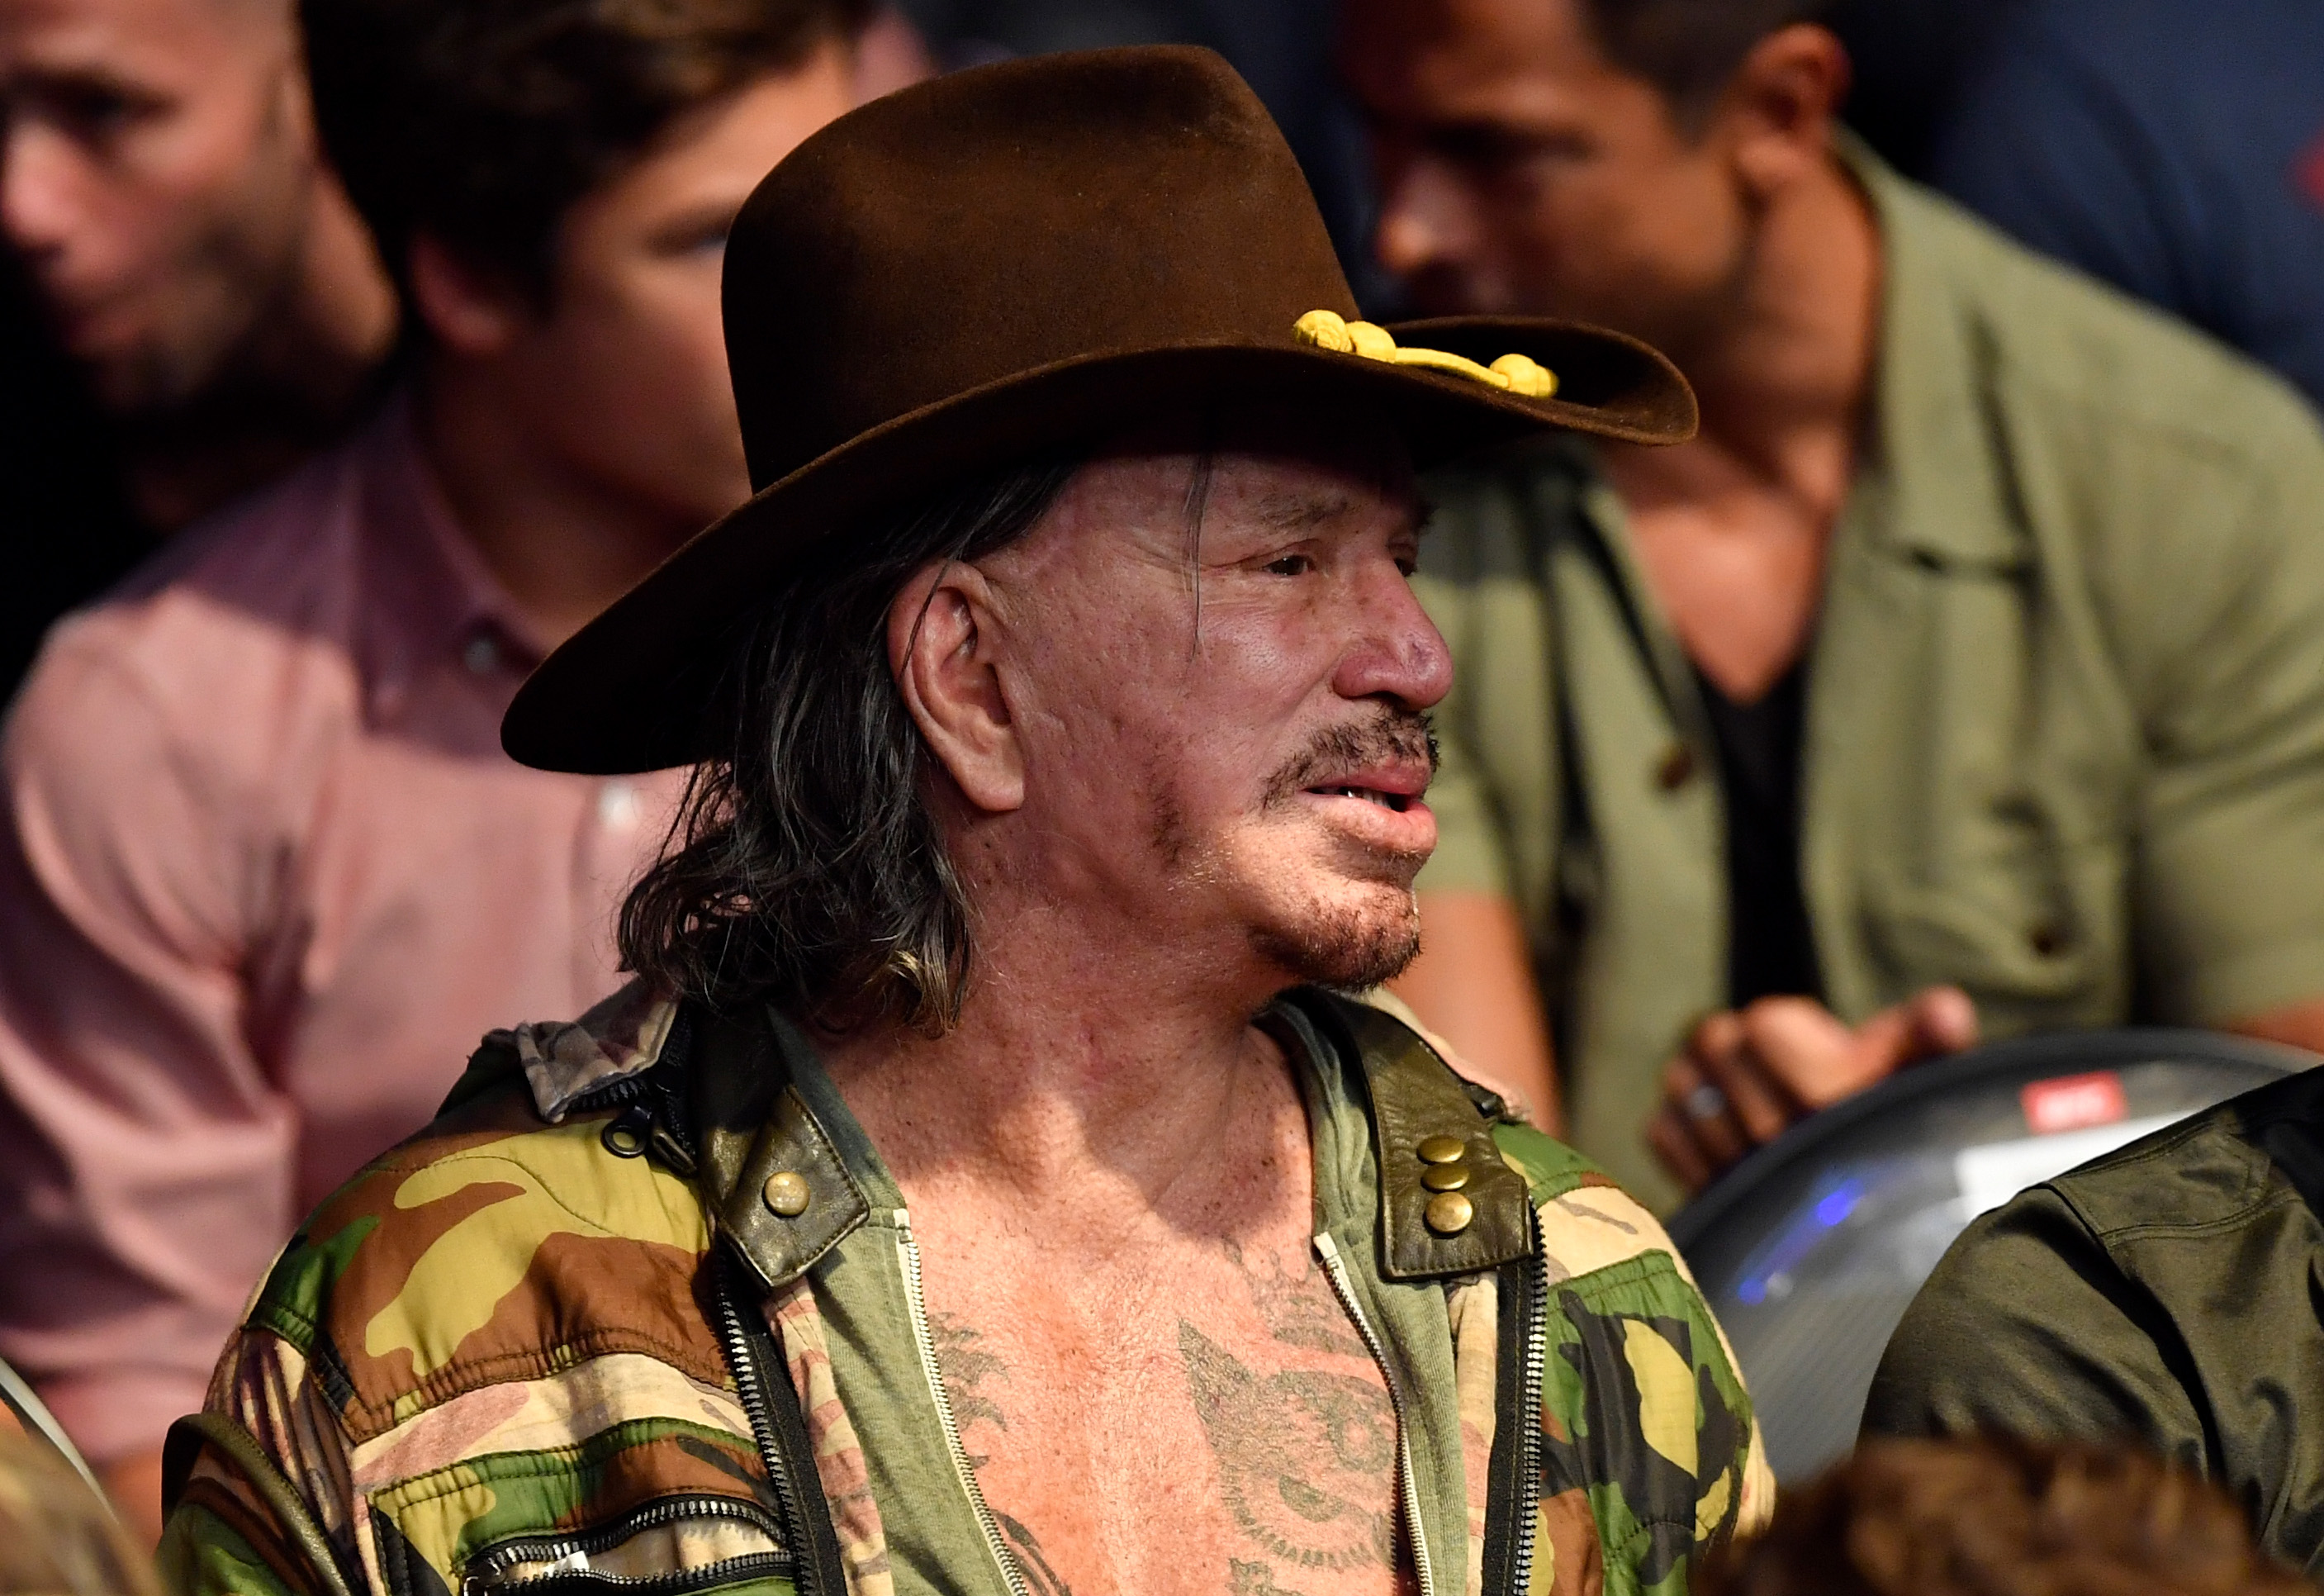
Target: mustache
(1400, 736)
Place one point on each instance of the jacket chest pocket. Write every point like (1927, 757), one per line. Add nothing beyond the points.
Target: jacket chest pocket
(673, 1547)
(2031, 919)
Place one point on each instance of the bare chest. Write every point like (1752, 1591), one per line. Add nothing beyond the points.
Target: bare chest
(1735, 559)
(1200, 1419)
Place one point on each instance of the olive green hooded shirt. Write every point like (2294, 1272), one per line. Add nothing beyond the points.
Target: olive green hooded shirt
(2165, 1295)
(2065, 732)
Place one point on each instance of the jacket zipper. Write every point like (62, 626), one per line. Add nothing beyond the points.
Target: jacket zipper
(1336, 1269)
(909, 1250)
(620, 1090)
(751, 1566)
(486, 1569)
(745, 1365)
(1528, 1412)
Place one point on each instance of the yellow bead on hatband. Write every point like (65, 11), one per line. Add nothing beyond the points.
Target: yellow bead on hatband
(1518, 373)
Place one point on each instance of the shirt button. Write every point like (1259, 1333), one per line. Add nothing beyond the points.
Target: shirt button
(1675, 769)
(617, 806)
(482, 655)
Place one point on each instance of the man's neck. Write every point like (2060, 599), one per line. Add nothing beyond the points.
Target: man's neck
(560, 544)
(1077, 1049)
(338, 316)
(1733, 529)
(1784, 379)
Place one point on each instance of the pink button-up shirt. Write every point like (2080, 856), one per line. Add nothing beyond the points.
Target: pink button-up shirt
(265, 878)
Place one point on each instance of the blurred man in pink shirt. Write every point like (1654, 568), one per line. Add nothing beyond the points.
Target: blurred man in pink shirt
(265, 875)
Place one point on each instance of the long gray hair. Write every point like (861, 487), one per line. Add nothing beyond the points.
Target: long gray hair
(805, 867)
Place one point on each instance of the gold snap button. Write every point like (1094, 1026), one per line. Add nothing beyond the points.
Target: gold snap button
(786, 1192)
(1448, 1213)
(1444, 1178)
(1441, 1149)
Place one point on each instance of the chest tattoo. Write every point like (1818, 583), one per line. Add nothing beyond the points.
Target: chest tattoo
(972, 1375)
(972, 1378)
(1301, 1455)
(1305, 1457)
(1039, 1578)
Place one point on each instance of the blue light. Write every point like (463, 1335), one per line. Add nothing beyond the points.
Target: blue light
(1835, 1207)
(1767, 1272)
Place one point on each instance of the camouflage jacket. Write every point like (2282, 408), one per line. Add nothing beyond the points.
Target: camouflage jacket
(615, 1323)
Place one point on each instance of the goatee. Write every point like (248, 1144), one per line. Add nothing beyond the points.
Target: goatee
(1348, 947)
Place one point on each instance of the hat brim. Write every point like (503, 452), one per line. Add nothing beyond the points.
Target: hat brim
(628, 692)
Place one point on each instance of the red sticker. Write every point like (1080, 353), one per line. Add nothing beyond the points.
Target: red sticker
(2074, 1103)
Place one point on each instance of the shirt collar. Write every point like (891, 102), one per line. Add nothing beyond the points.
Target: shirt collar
(790, 1173)
(1935, 453)
(428, 599)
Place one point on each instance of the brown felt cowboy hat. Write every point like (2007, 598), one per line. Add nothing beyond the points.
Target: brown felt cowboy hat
(1010, 260)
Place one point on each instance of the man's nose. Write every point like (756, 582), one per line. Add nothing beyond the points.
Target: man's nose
(1421, 219)
(1400, 654)
(37, 212)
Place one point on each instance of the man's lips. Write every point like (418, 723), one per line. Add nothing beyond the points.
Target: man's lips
(1395, 788)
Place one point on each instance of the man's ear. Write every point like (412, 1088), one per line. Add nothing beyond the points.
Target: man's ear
(940, 646)
(467, 311)
(1780, 105)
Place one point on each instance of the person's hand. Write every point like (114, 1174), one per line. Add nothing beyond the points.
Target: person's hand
(1745, 1076)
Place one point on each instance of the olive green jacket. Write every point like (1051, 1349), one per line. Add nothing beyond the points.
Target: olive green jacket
(2167, 1294)
(640, 1313)
(2065, 739)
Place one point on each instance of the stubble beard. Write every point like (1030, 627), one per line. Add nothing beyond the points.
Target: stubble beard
(1371, 933)
(1344, 946)
(240, 285)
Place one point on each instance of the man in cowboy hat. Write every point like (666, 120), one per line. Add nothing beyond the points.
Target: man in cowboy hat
(983, 1188)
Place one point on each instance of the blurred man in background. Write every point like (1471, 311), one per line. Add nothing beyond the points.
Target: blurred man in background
(178, 234)
(2176, 151)
(265, 874)
(2161, 1298)
(1967, 671)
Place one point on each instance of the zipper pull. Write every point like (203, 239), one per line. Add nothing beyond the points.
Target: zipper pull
(670, 1151)
(626, 1133)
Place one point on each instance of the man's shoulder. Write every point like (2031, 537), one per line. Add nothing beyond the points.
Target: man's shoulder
(2228, 1165)
(2122, 1299)
(267, 554)
(501, 1245)
(261, 593)
(2152, 1228)
(1584, 1221)
(2077, 350)
(499, 1332)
